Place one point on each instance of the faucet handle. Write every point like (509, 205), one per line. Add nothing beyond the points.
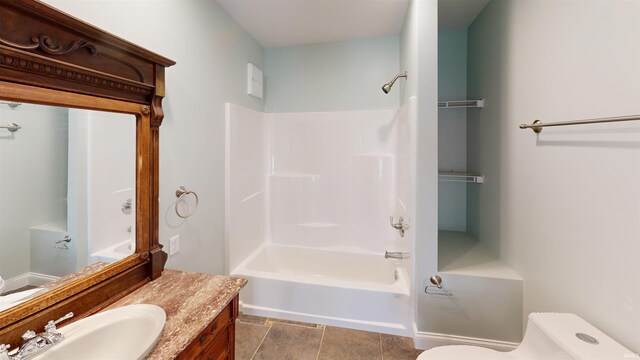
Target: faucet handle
(51, 325)
(28, 335)
(4, 351)
(401, 225)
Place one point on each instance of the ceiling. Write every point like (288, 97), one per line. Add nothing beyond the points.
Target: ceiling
(280, 23)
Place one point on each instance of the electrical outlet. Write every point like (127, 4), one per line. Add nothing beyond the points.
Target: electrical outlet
(174, 245)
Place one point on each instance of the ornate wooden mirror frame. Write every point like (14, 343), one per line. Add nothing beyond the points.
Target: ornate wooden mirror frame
(50, 58)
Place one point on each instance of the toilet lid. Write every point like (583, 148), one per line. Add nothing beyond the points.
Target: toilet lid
(462, 352)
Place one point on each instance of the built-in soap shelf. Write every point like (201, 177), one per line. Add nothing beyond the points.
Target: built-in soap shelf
(452, 104)
(294, 175)
(377, 155)
(458, 176)
(320, 225)
(462, 254)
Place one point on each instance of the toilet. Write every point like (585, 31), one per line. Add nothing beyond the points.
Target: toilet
(548, 336)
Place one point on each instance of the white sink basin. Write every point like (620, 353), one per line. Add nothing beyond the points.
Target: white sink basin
(128, 332)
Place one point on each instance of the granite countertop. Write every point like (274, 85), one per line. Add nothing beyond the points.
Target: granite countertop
(191, 301)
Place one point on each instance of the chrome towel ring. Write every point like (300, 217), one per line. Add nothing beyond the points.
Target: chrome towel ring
(180, 193)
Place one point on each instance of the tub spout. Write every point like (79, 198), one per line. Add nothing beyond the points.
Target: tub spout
(396, 255)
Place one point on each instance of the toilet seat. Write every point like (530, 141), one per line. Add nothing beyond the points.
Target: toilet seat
(462, 352)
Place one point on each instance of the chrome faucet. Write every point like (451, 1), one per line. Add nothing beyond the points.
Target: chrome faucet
(33, 344)
(401, 225)
(396, 255)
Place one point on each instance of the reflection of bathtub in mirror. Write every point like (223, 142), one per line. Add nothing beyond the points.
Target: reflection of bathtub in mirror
(114, 253)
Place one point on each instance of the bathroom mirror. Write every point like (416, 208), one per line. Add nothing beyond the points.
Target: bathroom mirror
(70, 67)
(67, 195)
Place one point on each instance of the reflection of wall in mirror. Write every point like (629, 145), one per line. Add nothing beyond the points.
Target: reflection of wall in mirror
(64, 172)
(33, 186)
(102, 153)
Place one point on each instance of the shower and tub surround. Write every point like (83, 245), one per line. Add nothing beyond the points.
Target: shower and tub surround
(322, 214)
(101, 191)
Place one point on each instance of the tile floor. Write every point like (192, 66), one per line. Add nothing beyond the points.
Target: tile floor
(259, 338)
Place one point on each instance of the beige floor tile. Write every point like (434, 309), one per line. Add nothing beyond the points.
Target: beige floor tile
(289, 342)
(398, 348)
(248, 338)
(347, 344)
(252, 319)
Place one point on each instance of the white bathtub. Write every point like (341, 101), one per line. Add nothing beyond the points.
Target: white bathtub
(355, 290)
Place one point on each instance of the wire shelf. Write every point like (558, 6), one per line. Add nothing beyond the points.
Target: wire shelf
(461, 104)
(454, 176)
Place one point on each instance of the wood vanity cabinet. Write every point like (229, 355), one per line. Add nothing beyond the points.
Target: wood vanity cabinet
(216, 341)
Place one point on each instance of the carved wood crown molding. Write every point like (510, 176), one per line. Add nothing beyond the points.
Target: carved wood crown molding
(47, 45)
(76, 75)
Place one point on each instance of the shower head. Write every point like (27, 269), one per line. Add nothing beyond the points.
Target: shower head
(387, 87)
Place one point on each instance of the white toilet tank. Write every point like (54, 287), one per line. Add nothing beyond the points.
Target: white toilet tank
(566, 336)
(557, 336)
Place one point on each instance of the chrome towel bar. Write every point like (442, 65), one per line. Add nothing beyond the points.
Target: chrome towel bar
(13, 127)
(538, 125)
(62, 244)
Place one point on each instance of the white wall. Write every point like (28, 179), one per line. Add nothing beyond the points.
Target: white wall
(33, 180)
(562, 207)
(418, 55)
(345, 75)
(211, 51)
(452, 128)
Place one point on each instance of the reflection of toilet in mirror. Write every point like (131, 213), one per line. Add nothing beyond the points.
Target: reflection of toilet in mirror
(548, 336)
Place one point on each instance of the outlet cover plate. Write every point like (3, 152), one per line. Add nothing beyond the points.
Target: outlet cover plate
(174, 245)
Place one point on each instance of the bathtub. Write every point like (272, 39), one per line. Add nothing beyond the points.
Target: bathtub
(114, 253)
(348, 289)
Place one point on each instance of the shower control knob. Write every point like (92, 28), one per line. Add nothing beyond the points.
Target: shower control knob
(126, 207)
(401, 225)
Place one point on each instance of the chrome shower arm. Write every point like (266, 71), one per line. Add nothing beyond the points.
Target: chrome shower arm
(387, 87)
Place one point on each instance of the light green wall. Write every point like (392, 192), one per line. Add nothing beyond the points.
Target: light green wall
(452, 128)
(338, 76)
